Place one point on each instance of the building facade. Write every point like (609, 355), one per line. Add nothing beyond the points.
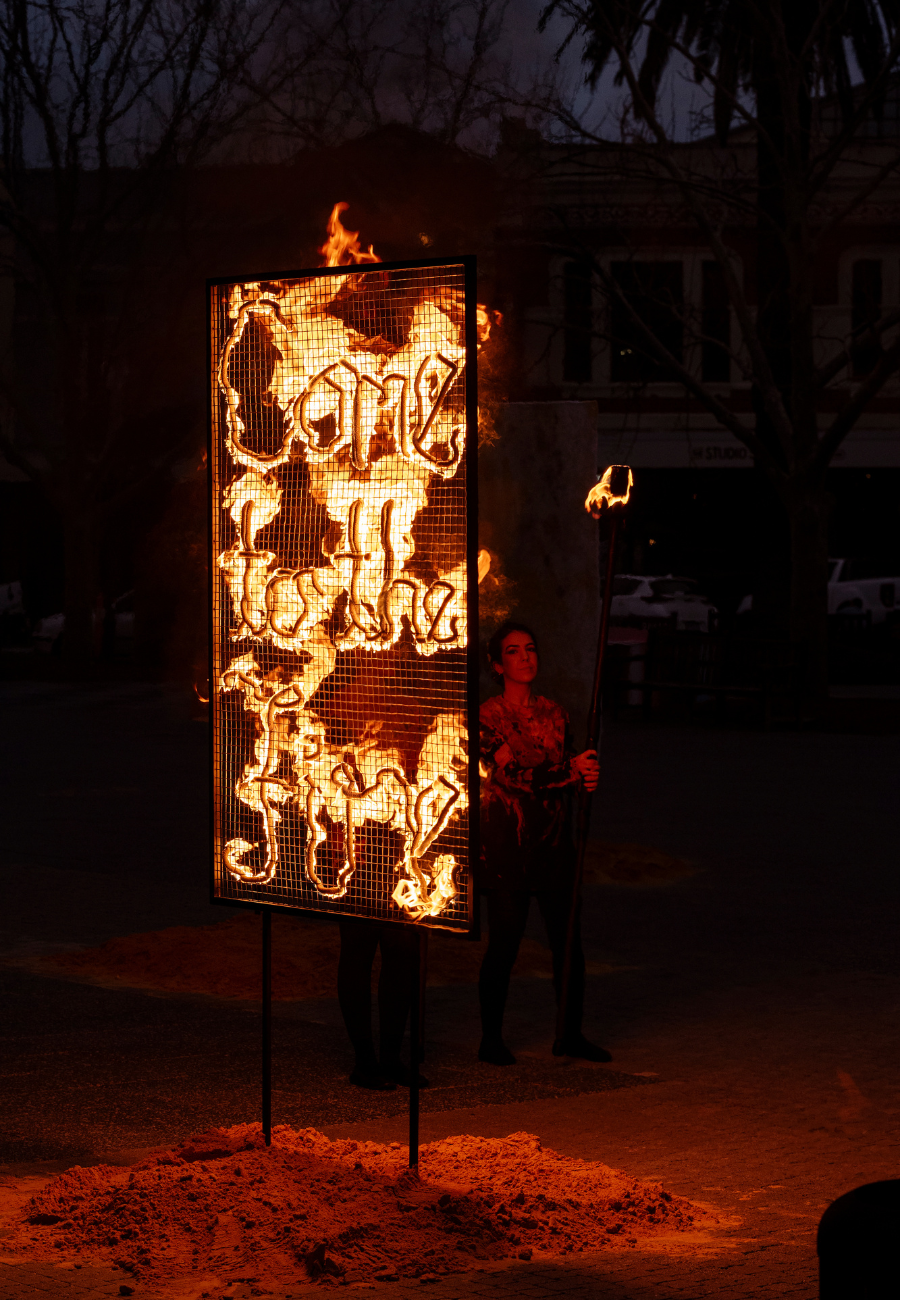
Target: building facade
(586, 219)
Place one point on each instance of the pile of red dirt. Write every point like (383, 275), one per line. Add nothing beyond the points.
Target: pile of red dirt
(224, 959)
(222, 1206)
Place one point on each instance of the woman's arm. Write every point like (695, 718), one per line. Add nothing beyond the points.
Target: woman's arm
(550, 776)
(495, 752)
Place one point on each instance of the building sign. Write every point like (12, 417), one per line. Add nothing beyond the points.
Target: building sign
(674, 449)
(343, 590)
(717, 449)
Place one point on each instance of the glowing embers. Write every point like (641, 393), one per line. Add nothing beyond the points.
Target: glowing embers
(341, 441)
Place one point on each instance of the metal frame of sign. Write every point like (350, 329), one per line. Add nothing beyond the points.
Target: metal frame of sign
(252, 896)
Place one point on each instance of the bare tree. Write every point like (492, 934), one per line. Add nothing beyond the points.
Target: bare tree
(787, 152)
(105, 107)
(438, 66)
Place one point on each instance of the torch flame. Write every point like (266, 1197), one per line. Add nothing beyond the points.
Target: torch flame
(614, 489)
(341, 248)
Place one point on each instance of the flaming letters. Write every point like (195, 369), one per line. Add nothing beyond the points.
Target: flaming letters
(374, 427)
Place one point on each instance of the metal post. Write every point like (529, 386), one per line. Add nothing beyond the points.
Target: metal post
(423, 979)
(414, 1052)
(267, 1025)
(584, 800)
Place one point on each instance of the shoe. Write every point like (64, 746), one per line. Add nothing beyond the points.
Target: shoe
(374, 1080)
(495, 1052)
(402, 1075)
(581, 1049)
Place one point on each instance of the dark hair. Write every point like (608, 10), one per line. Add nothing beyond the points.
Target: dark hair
(495, 645)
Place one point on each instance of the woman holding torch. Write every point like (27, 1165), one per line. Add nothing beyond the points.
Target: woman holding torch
(529, 770)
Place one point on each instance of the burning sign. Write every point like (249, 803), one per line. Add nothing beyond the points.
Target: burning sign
(342, 595)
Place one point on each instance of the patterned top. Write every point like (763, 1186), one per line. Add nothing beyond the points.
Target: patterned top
(526, 839)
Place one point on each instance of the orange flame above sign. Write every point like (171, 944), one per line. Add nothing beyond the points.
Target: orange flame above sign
(342, 248)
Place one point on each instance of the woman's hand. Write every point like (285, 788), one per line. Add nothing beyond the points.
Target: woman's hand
(504, 756)
(588, 768)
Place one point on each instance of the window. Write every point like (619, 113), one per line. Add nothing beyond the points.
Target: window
(866, 308)
(715, 326)
(654, 291)
(578, 322)
(882, 122)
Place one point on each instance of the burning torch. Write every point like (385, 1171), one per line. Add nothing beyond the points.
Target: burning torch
(608, 498)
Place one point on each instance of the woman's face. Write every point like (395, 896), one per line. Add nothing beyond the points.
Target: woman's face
(519, 660)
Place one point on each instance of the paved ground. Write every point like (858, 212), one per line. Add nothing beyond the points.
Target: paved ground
(752, 1009)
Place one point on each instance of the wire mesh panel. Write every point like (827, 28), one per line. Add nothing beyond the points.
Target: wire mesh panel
(342, 600)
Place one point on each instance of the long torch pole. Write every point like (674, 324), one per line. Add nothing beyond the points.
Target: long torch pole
(584, 800)
(267, 1025)
(415, 1051)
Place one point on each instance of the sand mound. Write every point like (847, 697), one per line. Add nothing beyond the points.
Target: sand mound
(223, 1206)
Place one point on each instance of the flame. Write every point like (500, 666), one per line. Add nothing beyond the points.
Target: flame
(415, 897)
(348, 785)
(614, 489)
(341, 248)
(363, 591)
(485, 319)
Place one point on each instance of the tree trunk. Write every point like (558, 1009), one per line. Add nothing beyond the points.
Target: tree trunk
(785, 324)
(82, 585)
(809, 508)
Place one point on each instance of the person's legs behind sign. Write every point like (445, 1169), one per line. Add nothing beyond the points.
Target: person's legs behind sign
(359, 943)
(360, 940)
(507, 911)
(400, 946)
(554, 906)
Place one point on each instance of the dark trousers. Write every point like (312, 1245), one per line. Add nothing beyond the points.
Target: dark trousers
(399, 962)
(507, 916)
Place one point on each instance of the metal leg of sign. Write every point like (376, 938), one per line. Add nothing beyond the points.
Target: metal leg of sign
(423, 975)
(415, 1040)
(267, 1025)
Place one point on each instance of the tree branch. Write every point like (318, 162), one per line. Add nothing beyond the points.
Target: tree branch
(849, 414)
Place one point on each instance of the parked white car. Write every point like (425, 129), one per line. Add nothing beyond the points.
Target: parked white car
(863, 587)
(637, 598)
(856, 587)
(11, 599)
(13, 620)
(47, 634)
